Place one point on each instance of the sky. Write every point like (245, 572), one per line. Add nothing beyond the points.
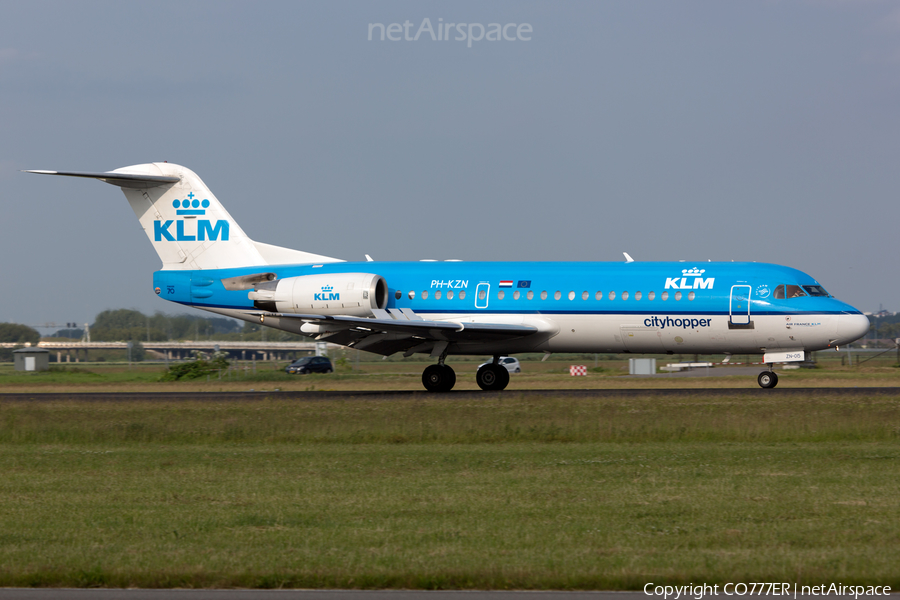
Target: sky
(751, 131)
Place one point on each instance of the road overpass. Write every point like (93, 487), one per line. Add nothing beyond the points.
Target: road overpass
(77, 351)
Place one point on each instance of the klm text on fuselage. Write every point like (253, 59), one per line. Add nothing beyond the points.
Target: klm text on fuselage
(205, 231)
(681, 283)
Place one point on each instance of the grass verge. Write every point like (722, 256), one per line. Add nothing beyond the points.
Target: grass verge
(499, 493)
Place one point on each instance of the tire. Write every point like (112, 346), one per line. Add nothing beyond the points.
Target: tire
(438, 378)
(492, 377)
(328, 371)
(767, 380)
(518, 370)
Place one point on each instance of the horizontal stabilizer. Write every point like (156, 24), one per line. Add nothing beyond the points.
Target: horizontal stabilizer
(123, 180)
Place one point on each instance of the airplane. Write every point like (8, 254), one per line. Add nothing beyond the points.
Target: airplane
(444, 308)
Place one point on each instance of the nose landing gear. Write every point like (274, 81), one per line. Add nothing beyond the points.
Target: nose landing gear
(767, 379)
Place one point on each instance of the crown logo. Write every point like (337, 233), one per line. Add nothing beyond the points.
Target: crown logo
(692, 272)
(190, 205)
(327, 288)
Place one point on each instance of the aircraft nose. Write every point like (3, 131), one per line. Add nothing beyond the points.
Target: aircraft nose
(851, 327)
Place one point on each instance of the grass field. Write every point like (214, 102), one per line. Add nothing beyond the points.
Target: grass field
(500, 492)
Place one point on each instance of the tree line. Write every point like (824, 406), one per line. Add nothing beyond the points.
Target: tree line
(126, 325)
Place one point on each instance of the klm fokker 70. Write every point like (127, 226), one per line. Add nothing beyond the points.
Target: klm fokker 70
(495, 308)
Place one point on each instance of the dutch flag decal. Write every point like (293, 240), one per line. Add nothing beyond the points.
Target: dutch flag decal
(506, 283)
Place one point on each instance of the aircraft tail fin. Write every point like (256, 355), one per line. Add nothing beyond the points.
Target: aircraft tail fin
(188, 227)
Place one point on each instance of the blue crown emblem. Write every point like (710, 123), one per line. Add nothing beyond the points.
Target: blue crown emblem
(693, 272)
(190, 205)
(327, 288)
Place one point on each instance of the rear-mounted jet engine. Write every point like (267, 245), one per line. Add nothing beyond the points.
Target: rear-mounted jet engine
(349, 294)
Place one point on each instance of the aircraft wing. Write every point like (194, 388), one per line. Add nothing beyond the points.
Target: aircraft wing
(397, 330)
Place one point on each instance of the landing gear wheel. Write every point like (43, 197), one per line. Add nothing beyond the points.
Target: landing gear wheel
(492, 377)
(438, 378)
(767, 379)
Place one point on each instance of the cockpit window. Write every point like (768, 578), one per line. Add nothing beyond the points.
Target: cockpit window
(815, 290)
(789, 291)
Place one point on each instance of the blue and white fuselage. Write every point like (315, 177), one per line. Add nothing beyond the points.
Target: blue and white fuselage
(453, 307)
(652, 307)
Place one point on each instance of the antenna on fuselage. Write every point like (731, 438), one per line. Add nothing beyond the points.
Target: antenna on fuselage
(628, 258)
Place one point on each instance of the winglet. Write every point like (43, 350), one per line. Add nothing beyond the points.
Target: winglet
(628, 258)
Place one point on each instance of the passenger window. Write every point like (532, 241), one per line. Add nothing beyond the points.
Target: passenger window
(412, 295)
(500, 295)
(481, 295)
(516, 295)
(651, 296)
(425, 295)
(691, 296)
(612, 295)
(624, 295)
(544, 295)
(677, 296)
(450, 295)
(557, 295)
(665, 296)
(437, 295)
(584, 295)
(598, 296)
(462, 295)
(530, 295)
(637, 295)
(398, 294)
(571, 295)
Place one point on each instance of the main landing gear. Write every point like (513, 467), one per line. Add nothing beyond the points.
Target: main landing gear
(767, 379)
(492, 376)
(438, 378)
(441, 378)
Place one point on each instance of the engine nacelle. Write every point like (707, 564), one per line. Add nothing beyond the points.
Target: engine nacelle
(350, 294)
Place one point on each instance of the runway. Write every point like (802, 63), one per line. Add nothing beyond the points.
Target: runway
(318, 396)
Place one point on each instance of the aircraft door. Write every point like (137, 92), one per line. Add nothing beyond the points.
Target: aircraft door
(739, 309)
(482, 294)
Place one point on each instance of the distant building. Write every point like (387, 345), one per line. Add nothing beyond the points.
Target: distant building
(31, 359)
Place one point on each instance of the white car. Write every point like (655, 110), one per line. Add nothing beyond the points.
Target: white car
(512, 364)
